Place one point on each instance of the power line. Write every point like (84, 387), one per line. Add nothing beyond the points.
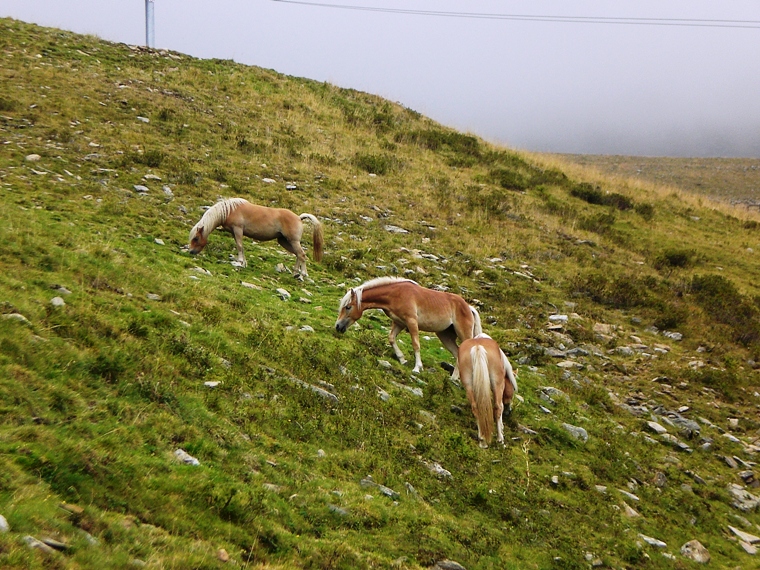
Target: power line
(680, 22)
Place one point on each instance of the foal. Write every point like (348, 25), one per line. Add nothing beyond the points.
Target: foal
(241, 218)
(484, 369)
(413, 308)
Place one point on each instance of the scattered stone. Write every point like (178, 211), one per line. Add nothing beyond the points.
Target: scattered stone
(340, 511)
(153, 297)
(4, 526)
(52, 543)
(61, 289)
(290, 187)
(673, 335)
(57, 302)
(743, 499)
(35, 544)
(369, 483)
(16, 317)
(652, 541)
(526, 430)
(416, 391)
(410, 490)
(395, 229)
(731, 462)
(139, 188)
(384, 396)
(306, 328)
(436, 469)
(283, 293)
(631, 496)
(745, 536)
(629, 511)
(733, 423)
(601, 489)
(321, 453)
(448, 565)
(557, 318)
(159, 241)
(250, 286)
(731, 438)
(268, 180)
(212, 383)
(656, 428)
(280, 268)
(186, 458)
(73, 509)
(143, 119)
(748, 548)
(32, 157)
(271, 487)
(549, 393)
(695, 551)
(555, 480)
(222, 555)
(577, 432)
(384, 363)
(316, 389)
(660, 480)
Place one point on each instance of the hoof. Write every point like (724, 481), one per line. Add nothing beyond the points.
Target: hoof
(417, 370)
(483, 445)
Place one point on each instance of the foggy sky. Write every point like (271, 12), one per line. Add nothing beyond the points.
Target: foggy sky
(548, 87)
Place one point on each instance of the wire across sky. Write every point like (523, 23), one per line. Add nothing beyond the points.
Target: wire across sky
(630, 21)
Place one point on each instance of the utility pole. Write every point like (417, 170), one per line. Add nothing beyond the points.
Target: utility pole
(150, 30)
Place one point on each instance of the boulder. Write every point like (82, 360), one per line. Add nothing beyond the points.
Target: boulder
(695, 551)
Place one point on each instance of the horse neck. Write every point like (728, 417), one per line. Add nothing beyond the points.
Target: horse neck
(216, 214)
(376, 298)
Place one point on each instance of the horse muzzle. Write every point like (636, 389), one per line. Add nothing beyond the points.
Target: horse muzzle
(341, 326)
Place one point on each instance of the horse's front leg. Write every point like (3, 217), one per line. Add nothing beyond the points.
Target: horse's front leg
(237, 232)
(414, 331)
(395, 329)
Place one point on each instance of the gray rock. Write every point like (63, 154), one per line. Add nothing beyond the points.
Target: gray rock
(32, 157)
(186, 458)
(416, 391)
(656, 428)
(369, 483)
(395, 229)
(551, 394)
(18, 317)
(62, 290)
(283, 293)
(316, 389)
(153, 297)
(35, 544)
(448, 565)
(4, 526)
(652, 541)
(695, 551)
(748, 548)
(306, 328)
(340, 511)
(660, 480)
(384, 396)
(744, 536)
(57, 302)
(577, 432)
(743, 499)
(436, 469)
(159, 241)
(139, 188)
(168, 192)
(631, 496)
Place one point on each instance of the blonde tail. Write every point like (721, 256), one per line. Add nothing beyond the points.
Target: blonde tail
(477, 327)
(481, 387)
(318, 239)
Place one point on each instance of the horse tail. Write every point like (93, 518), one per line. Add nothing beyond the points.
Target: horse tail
(508, 370)
(477, 327)
(318, 239)
(482, 391)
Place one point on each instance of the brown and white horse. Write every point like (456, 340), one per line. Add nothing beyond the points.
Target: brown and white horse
(241, 218)
(413, 308)
(484, 370)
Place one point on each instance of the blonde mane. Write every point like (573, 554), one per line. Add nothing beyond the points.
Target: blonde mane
(371, 284)
(216, 214)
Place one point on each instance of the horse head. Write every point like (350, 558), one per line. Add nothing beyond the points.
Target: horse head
(197, 240)
(349, 311)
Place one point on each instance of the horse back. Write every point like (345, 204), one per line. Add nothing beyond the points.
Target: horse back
(262, 223)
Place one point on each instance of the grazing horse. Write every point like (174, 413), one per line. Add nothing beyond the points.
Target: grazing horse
(484, 369)
(241, 218)
(413, 308)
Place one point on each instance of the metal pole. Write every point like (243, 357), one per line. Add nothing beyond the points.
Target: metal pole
(150, 31)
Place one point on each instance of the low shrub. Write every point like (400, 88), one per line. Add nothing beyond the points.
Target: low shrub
(376, 163)
(595, 195)
(723, 302)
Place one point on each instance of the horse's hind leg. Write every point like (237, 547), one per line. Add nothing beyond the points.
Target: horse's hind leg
(295, 248)
(395, 329)
(448, 338)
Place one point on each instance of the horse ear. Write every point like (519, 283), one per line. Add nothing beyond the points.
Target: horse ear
(515, 372)
(200, 230)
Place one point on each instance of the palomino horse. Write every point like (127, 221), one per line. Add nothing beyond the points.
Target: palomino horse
(241, 218)
(414, 308)
(484, 369)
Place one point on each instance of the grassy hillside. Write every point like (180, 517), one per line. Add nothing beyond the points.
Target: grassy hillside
(733, 180)
(155, 351)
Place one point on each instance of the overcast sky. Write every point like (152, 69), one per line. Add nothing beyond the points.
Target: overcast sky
(544, 86)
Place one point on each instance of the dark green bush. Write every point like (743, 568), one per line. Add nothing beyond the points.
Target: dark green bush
(376, 163)
(721, 300)
(598, 223)
(675, 258)
(622, 292)
(508, 179)
(595, 195)
(646, 211)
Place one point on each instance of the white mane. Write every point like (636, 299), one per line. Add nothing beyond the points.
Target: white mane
(372, 283)
(216, 214)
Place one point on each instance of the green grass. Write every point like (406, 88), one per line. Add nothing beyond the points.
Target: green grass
(97, 395)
